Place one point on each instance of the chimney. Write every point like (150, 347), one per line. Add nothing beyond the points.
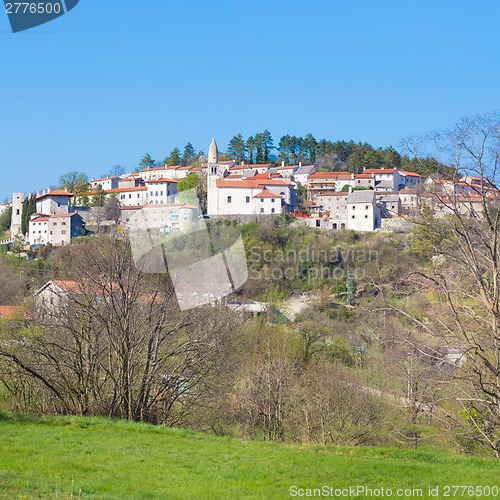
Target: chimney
(283, 163)
(300, 163)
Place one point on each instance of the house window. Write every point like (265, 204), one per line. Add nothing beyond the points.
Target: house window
(63, 232)
(262, 210)
(247, 199)
(64, 223)
(129, 196)
(354, 207)
(262, 200)
(318, 223)
(366, 216)
(55, 223)
(229, 199)
(273, 210)
(272, 200)
(353, 217)
(366, 207)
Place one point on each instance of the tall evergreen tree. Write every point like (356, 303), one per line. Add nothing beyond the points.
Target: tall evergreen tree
(146, 161)
(236, 148)
(189, 152)
(251, 145)
(174, 158)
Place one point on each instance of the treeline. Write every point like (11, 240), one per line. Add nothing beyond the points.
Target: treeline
(327, 155)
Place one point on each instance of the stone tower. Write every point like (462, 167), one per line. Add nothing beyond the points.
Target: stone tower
(213, 153)
(213, 175)
(17, 212)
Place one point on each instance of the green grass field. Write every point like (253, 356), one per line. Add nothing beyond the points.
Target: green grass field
(99, 458)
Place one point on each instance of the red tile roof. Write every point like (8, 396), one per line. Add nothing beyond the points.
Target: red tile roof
(56, 192)
(163, 180)
(328, 175)
(253, 166)
(6, 311)
(267, 194)
(124, 190)
(251, 183)
(62, 215)
(410, 174)
(379, 170)
(67, 285)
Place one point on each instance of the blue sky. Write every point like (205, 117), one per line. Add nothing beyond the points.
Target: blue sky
(114, 79)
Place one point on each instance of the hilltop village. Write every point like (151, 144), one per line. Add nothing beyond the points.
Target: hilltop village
(376, 199)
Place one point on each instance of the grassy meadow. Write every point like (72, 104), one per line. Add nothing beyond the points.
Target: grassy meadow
(69, 457)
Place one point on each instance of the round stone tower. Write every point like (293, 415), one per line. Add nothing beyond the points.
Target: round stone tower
(17, 212)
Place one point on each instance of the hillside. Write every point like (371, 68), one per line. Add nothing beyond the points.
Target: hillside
(100, 458)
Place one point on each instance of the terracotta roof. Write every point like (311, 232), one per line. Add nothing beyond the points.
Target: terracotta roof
(251, 183)
(56, 192)
(67, 285)
(162, 180)
(267, 194)
(154, 168)
(157, 205)
(105, 178)
(6, 311)
(328, 175)
(62, 215)
(124, 190)
(40, 219)
(411, 174)
(363, 176)
(379, 170)
(253, 166)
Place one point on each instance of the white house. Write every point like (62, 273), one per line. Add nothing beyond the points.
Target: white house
(104, 183)
(57, 230)
(363, 214)
(386, 179)
(252, 197)
(411, 180)
(166, 218)
(302, 173)
(161, 191)
(4, 207)
(53, 202)
(130, 196)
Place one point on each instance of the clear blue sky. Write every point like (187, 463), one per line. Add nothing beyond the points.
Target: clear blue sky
(114, 79)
